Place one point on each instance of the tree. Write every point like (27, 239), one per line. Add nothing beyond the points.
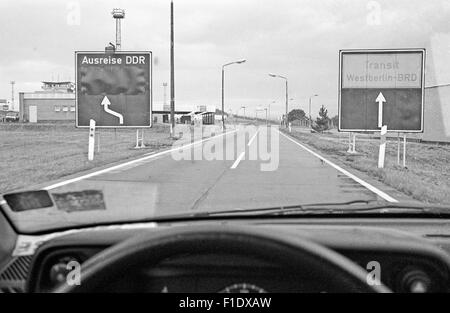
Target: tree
(323, 121)
(296, 114)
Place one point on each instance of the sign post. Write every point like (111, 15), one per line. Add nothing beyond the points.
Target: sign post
(91, 144)
(139, 140)
(114, 89)
(404, 150)
(351, 143)
(382, 151)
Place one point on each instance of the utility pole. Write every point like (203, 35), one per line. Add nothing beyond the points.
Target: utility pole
(172, 72)
(12, 94)
(165, 93)
(244, 107)
(310, 121)
(287, 104)
(223, 98)
(310, 102)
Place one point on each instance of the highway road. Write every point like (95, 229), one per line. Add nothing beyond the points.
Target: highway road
(162, 184)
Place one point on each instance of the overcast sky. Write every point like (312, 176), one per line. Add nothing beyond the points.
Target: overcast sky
(297, 39)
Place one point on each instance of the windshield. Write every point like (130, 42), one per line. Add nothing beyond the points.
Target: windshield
(134, 110)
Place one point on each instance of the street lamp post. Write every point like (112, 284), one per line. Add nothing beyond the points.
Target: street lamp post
(310, 101)
(243, 107)
(287, 96)
(223, 89)
(270, 103)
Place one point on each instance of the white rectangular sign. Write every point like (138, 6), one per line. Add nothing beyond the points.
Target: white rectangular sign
(371, 70)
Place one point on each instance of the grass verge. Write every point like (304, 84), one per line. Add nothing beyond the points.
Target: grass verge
(37, 153)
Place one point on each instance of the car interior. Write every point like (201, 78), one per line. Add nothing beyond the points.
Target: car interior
(263, 254)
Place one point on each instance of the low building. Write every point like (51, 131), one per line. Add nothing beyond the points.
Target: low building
(437, 114)
(4, 105)
(184, 113)
(3, 109)
(54, 103)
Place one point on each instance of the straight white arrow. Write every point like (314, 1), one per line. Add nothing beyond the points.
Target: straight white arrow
(380, 100)
(106, 103)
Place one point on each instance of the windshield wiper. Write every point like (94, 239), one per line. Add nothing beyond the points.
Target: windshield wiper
(270, 210)
(374, 209)
(344, 208)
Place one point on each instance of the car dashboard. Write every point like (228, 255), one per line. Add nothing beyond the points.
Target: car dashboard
(409, 255)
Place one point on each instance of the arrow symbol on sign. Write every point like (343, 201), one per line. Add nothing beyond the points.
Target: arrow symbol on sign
(380, 100)
(106, 103)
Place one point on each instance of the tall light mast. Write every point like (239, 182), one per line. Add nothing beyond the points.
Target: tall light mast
(118, 15)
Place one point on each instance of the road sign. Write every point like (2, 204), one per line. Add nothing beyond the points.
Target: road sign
(114, 89)
(381, 88)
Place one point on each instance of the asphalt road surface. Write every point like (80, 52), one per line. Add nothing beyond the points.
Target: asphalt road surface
(162, 184)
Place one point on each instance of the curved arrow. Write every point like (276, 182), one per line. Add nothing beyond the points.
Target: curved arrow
(106, 103)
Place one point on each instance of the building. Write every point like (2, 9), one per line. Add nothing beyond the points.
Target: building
(54, 103)
(437, 91)
(4, 105)
(437, 114)
(184, 114)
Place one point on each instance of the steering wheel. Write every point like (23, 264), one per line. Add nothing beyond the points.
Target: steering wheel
(293, 253)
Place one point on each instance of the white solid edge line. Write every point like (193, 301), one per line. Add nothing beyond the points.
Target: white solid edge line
(236, 163)
(350, 175)
(73, 180)
(253, 138)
